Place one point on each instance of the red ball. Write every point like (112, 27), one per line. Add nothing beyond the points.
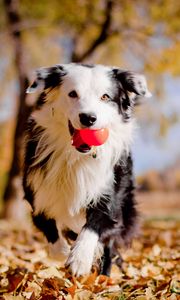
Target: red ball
(91, 137)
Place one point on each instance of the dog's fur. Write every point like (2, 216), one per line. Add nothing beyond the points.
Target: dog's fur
(75, 196)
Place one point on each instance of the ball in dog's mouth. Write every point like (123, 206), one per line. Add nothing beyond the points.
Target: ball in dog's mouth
(84, 139)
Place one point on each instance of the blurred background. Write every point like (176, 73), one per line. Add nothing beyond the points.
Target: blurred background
(140, 35)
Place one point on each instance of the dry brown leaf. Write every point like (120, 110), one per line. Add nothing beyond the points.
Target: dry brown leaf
(89, 279)
(106, 279)
(32, 286)
(71, 290)
(49, 272)
(175, 286)
(14, 279)
(83, 295)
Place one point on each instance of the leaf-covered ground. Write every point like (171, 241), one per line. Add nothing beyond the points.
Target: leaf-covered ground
(151, 268)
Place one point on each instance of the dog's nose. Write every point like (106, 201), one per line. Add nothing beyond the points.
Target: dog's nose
(87, 119)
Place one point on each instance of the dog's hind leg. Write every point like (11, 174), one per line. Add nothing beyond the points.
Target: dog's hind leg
(110, 255)
(106, 261)
(130, 220)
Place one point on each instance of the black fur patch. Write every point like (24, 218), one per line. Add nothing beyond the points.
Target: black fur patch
(126, 79)
(53, 79)
(41, 100)
(106, 261)
(121, 97)
(124, 189)
(99, 217)
(52, 76)
(34, 85)
(28, 192)
(33, 133)
(123, 172)
(47, 226)
(69, 234)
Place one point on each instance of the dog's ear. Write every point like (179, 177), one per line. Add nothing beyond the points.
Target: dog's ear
(131, 86)
(47, 78)
(132, 82)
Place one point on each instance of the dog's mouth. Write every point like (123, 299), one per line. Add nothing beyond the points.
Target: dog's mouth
(83, 148)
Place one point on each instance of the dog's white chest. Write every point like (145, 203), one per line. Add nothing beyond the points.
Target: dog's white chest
(69, 187)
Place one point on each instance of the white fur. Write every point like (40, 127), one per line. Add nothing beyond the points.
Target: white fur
(82, 255)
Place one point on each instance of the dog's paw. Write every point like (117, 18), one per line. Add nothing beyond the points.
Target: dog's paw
(79, 264)
(81, 257)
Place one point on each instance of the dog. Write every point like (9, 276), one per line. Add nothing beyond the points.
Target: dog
(83, 203)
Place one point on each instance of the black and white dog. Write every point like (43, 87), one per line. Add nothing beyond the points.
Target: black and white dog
(74, 195)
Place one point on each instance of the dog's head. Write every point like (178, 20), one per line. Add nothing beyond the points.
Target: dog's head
(90, 96)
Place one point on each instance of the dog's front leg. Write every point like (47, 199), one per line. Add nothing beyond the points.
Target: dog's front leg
(82, 254)
(87, 246)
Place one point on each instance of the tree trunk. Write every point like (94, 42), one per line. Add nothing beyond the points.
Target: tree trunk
(12, 190)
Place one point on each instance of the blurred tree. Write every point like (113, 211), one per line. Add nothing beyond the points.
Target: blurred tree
(142, 34)
(23, 110)
(12, 10)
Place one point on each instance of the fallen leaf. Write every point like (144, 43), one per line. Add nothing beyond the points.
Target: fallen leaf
(49, 272)
(11, 297)
(156, 250)
(15, 278)
(71, 290)
(175, 286)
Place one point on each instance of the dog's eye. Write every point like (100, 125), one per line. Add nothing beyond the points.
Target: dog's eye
(105, 97)
(73, 94)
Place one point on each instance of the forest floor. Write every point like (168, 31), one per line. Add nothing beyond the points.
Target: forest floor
(151, 267)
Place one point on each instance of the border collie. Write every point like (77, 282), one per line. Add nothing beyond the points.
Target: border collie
(83, 203)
